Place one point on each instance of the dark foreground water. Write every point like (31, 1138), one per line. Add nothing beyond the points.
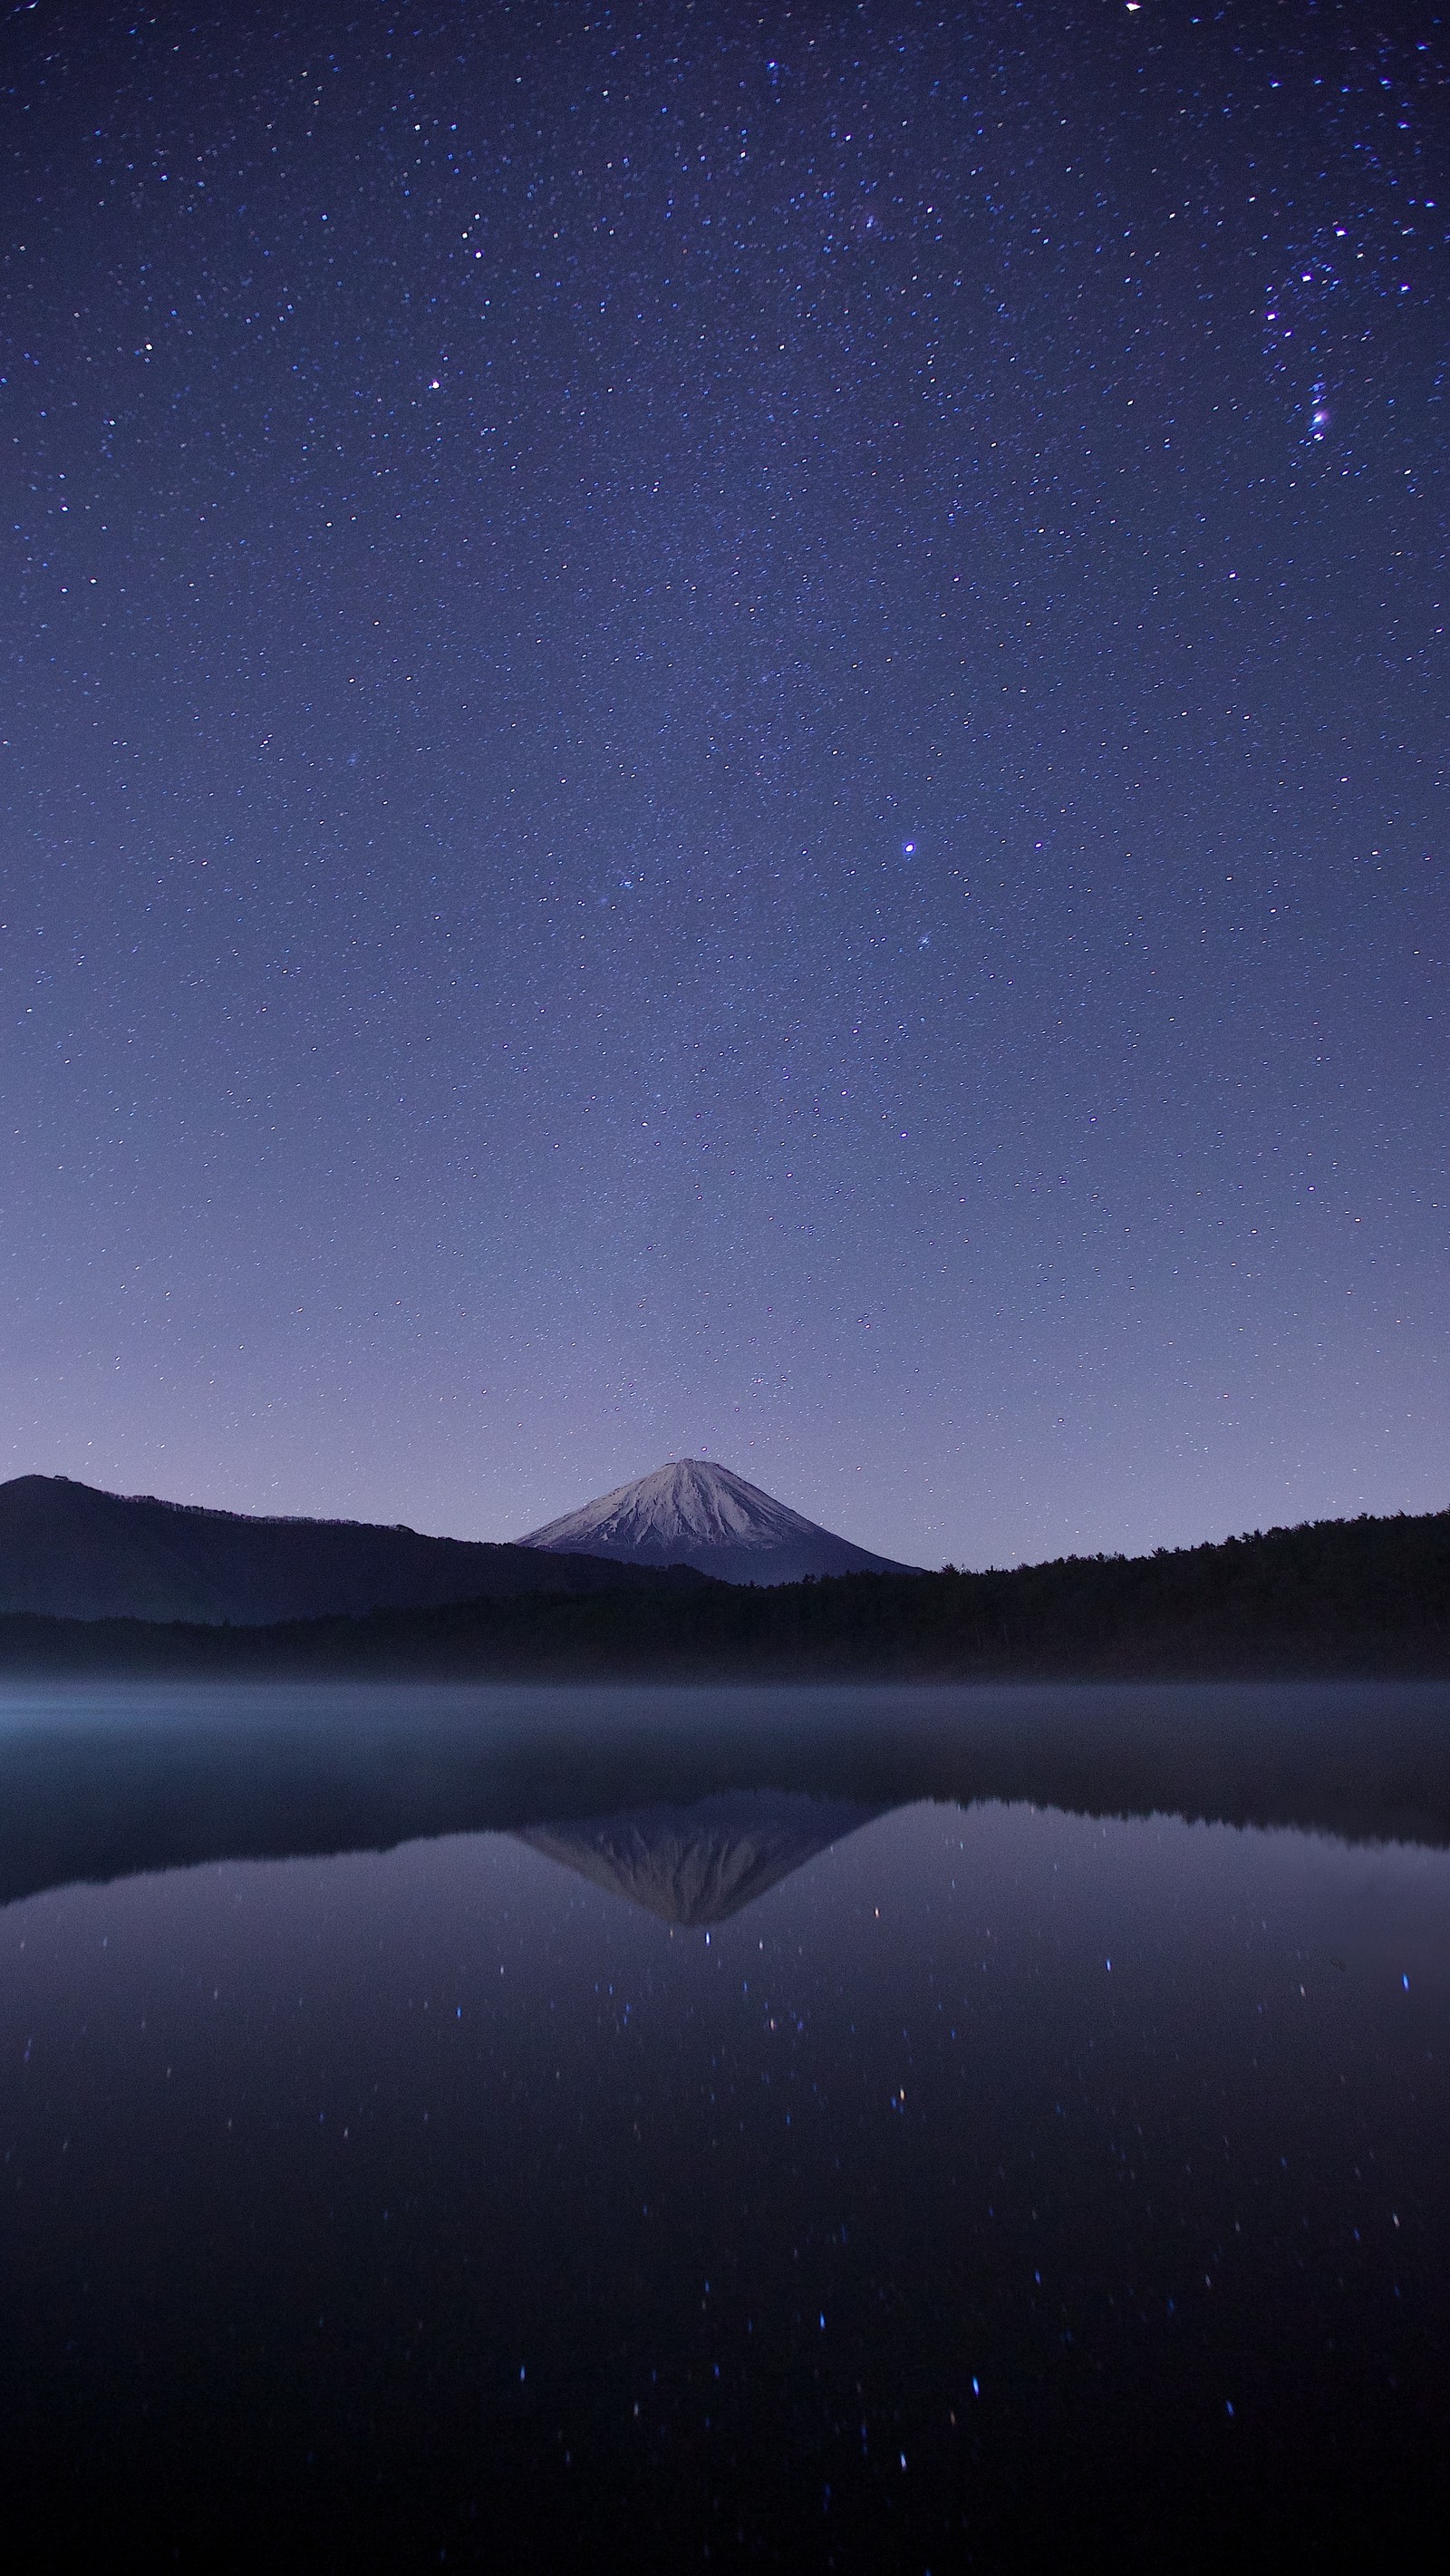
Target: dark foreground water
(763, 2147)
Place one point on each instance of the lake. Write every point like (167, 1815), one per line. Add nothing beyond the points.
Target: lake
(865, 2130)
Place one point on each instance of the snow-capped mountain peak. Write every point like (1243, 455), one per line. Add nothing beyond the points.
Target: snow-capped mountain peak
(694, 1512)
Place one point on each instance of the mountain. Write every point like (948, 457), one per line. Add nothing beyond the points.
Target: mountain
(702, 1863)
(72, 1552)
(695, 1513)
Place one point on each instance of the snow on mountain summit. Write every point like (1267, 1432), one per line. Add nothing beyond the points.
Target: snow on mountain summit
(692, 1512)
(689, 1499)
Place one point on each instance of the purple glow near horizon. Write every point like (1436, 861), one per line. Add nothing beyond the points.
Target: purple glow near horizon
(727, 736)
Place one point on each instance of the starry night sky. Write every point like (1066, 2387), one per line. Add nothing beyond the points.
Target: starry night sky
(725, 733)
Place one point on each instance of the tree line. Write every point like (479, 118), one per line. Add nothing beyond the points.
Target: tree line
(1365, 1596)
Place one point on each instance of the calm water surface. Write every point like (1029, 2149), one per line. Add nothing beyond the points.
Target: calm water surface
(758, 2177)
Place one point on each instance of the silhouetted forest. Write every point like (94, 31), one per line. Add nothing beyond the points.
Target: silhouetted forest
(1362, 1597)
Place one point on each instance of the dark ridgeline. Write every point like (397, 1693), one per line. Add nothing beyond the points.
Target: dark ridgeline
(68, 1551)
(1350, 1597)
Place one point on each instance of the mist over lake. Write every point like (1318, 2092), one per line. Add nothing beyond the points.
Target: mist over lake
(795, 2129)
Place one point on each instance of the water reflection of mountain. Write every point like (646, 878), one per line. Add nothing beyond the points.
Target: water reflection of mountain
(98, 1783)
(701, 1863)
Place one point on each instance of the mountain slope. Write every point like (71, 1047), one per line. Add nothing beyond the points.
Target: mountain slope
(701, 1863)
(72, 1552)
(692, 1512)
